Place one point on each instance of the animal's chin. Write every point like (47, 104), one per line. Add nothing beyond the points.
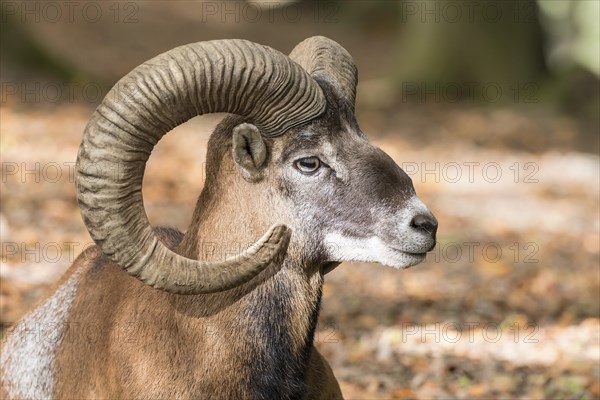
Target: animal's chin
(395, 259)
(373, 250)
(403, 260)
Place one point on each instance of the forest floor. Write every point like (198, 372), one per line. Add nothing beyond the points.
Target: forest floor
(506, 306)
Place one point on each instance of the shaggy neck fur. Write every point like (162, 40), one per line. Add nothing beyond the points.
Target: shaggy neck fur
(265, 327)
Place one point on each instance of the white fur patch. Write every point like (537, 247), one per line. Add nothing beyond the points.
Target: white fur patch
(343, 248)
(406, 249)
(27, 359)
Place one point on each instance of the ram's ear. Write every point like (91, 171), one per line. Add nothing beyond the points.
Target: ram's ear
(249, 151)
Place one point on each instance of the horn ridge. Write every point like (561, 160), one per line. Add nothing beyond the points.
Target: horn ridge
(217, 76)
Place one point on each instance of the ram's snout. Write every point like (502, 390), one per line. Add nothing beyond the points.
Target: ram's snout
(425, 223)
(411, 228)
(392, 225)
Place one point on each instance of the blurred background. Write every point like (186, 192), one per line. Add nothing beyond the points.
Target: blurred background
(492, 107)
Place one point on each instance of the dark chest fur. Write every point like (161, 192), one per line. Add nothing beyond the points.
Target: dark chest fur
(282, 327)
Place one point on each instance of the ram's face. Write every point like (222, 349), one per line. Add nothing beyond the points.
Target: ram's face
(350, 201)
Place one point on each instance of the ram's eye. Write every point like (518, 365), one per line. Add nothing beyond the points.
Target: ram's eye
(308, 165)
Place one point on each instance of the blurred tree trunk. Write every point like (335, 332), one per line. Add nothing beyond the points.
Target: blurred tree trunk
(476, 43)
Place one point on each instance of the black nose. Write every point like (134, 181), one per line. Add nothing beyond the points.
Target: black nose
(425, 222)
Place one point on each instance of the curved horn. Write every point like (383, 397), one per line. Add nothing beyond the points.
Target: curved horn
(322, 57)
(234, 76)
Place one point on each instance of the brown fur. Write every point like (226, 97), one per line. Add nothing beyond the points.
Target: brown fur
(171, 346)
(128, 340)
(254, 341)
